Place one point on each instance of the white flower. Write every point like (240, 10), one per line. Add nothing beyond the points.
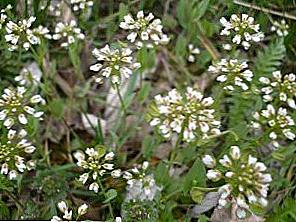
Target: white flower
(281, 28)
(192, 52)
(214, 175)
(278, 122)
(116, 173)
(94, 187)
(55, 219)
(62, 206)
(29, 76)
(235, 152)
(169, 114)
(279, 88)
(81, 4)
(96, 164)
(116, 64)
(69, 32)
(118, 219)
(144, 188)
(12, 153)
(21, 34)
(209, 161)
(54, 7)
(245, 180)
(109, 156)
(3, 15)
(232, 73)
(16, 106)
(145, 29)
(67, 213)
(82, 209)
(242, 30)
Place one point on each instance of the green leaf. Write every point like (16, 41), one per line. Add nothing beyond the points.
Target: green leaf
(56, 107)
(203, 218)
(285, 213)
(269, 60)
(5, 184)
(201, 9)
(101, 150)
(110, 195)
(4, 211)
(197, 195)
(144, 92)
(181, 46)
(148, 146)
(196, 175)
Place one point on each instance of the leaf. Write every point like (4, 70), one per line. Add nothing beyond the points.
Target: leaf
(196, 176)
(181, 46)
(4, 211)
(101, 150)
(196, 195)
(5, 184)
(189, 12)
(57, 107)
(268, 60)
(287, 212)
(202, 8)
(148, 146)
(144, 92)
(209, 201)
(110, 195)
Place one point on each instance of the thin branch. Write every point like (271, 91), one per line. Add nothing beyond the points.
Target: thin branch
(282, 14)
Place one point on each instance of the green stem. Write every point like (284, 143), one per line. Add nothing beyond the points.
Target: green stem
(206, 189)
(120, 99)
(104, 193)
(173, 153)
(18, 204)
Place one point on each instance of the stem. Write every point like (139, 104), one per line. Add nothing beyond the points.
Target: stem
(173, 153)
(206, 189)
(46, 152)
(104, 193)
(248, 5)
(18, 204)
(121, 99)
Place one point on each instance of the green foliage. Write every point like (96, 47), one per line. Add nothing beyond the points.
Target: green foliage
(270, 59)
(284, 213)
(195, 176)
(121, 113)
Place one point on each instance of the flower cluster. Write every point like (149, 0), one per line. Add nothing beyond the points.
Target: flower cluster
(54, 8)
(281, 28)
(69, 32)
(146, 29)
(232, 73)
(20, 33)
(13, 152)
(246, 180)
(97, 164)
(140, 185)
(81, 4)
(28, 78)
(115, 64)
(3, 15)
(242, 29)
(68, 214)
(277, 122)
(192, 52)
(279, 87)
(16, 104)
(189, 114)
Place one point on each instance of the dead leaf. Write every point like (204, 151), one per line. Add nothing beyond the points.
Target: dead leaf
(209, 201)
